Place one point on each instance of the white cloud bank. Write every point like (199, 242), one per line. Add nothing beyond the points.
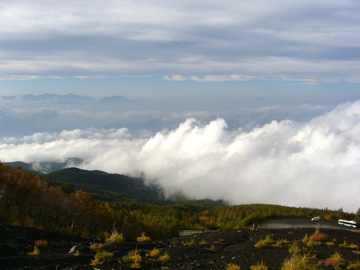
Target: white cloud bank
(314, 164)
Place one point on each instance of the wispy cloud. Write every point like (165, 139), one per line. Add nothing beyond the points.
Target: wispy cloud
(209, 78)
(313, 164)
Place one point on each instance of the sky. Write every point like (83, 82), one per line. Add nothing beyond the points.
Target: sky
(142, 48)
(260, 95)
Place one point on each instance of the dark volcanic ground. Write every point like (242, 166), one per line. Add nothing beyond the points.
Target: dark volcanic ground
(209, 250)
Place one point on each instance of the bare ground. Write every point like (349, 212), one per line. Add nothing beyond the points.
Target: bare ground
(208, 250)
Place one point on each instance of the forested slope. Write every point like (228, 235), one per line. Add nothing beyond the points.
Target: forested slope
(28, 199)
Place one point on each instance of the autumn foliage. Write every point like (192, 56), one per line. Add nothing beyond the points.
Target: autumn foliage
(27, 200)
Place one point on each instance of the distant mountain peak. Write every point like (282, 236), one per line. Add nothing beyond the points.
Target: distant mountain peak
(113, 99)
(66, 98)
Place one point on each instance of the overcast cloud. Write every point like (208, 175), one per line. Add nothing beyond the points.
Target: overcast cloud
(313, 163)
(310, 41)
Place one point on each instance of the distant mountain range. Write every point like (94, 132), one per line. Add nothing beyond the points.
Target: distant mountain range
(69, 98)
(45, 167)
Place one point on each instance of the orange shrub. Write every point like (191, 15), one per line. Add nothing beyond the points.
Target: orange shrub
(336, 260)
(318, 236)
(41, 243)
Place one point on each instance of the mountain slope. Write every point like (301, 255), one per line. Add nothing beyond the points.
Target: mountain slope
(105, 186)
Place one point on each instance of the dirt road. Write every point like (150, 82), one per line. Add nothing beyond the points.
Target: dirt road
(302, 223)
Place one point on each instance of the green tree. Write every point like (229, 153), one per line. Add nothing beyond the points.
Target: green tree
(357, 216)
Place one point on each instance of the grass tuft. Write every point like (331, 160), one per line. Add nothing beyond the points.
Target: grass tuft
(280, 243)
(133, 257)
(143, 238)
(35, 252)
(165, 257)
(41, 243)
(318, 236)
(355, 265)
(335, 261)
(115, 237)
(190, 243)
(259, 266)
(96, 246)
(262, 243)
(233, 266)
(300, 261)
(154, 253)
(101, 256)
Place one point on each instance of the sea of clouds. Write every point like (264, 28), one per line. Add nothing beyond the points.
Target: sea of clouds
(309, 164)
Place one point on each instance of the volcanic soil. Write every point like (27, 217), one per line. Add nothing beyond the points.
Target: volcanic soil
(207, 250)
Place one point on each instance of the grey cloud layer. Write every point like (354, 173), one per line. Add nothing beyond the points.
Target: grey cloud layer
(298, 39)
(313, 164)
(21, 117)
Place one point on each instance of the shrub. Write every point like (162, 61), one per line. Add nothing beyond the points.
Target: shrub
(259, 266)
(127, 258)
(350, 246)
(143, 238)
(115, 237)
(38, 244)
(164, 257)
(335, 261)
(264, 242)
(310, 241)
(135, 265)
(305, 239)
(203, 243)
(41, 243)
(281, 243)
(96, 246)
(233, 266)
(212, 248)
(295, 248)
(155, 252)
(190, 243)
(354, 265)
(353, 246)
(318, 236)
(132, 257)
(101, 256)
(35, 252)
(300, 261)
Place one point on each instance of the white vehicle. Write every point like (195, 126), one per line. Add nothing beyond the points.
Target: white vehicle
(348, 223)
(315, 219)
